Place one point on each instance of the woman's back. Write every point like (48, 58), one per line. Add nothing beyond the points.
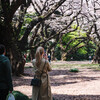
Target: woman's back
(43, 67)
(43, 92)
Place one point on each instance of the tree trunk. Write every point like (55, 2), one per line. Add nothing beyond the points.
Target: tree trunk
(96, 58)
(32, 54)
(98, 54)
(63, 56)
(12, 50)
(53, 54)
(17, 60)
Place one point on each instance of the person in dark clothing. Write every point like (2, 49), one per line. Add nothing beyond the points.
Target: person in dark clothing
(6, 85)
(49, 58)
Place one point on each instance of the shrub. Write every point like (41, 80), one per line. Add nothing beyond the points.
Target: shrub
(74, 70)
(20, 96)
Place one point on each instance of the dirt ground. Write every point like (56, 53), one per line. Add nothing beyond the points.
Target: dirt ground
(65, 85)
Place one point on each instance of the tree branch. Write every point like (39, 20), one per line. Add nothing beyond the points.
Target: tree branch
(37, 20)
(14, 6)
(65, 28)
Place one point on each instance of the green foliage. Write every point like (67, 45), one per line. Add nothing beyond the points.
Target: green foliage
(20, 96)
(69, 36)
(81, 53)
(28, 15)
(27, 19)
(74, 70)
(22, 31)
(58, 52)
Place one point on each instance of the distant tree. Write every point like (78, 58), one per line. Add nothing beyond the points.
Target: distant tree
(90, 20)
(74, 43)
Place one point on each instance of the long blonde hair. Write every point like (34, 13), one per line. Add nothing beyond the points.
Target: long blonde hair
(38, 56)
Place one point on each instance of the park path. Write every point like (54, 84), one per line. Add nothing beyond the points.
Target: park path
(84, 85)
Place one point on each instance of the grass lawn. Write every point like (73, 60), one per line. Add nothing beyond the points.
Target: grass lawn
(76, 65)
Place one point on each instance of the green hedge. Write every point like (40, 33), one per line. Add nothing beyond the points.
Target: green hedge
(20, 96)
(74, 70)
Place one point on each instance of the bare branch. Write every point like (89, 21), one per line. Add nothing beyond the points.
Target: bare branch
(39, 19)
(47, 39)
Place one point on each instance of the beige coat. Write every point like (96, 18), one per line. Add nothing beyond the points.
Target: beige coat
(43, 92)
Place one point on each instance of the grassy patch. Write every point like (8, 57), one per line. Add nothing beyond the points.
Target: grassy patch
(64, 65)
(75, 66)
(89, 65)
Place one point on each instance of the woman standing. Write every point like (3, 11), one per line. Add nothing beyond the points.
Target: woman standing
(41, 65)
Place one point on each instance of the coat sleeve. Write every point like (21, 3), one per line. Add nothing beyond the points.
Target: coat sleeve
(8, 75)
(48, 66)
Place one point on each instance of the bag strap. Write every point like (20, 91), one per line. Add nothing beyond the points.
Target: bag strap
(43, 69)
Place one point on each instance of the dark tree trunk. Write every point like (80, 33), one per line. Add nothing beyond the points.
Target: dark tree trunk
(17, 61)
(32, 54)
(96, 58)
(53, 54)
(12, 50)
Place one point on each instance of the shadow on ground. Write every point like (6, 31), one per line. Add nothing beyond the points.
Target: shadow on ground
(63, 77)
(25, 79)
(61, 80)
(76, 97)
(61, 72)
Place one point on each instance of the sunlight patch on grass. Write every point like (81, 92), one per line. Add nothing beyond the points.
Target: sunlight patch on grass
(65, 65)
(76, 66)
(89, 65)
